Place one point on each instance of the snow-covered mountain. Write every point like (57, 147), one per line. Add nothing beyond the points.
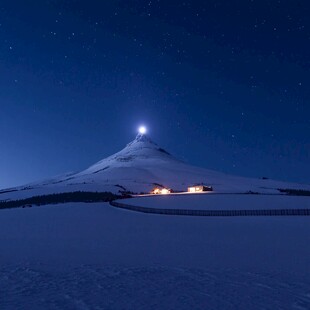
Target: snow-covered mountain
(73, 256)
(140, 166)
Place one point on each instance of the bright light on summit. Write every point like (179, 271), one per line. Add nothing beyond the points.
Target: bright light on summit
(142, 130)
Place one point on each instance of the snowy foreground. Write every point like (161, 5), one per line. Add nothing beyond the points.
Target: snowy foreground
(93, 256)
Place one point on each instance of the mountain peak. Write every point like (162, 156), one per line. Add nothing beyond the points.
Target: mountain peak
(134, 154)
(142, 138)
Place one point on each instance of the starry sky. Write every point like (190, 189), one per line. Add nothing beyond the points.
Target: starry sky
(220, 84)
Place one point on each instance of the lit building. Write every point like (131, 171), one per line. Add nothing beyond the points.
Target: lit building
(199, 189)
(162, 191)
(165, 191)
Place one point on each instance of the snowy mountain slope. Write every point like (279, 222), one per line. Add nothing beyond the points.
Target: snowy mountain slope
(138, 168)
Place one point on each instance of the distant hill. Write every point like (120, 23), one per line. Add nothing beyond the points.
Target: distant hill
(140, 166)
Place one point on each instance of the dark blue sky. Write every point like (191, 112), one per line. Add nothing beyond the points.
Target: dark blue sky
(221, 84)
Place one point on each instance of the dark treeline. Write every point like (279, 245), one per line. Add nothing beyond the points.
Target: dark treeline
(295, 192)
(60, 198)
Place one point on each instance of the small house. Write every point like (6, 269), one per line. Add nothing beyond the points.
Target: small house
(199, 189)
(162, 191)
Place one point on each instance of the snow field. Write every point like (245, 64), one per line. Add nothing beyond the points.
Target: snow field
(100, 287)
(94, 256)
(211, 201)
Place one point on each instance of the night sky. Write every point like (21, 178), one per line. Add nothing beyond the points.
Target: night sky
(220, 84)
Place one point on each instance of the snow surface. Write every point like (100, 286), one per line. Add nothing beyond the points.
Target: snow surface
(211, 201)
(140, 166)
(94, 256)
(93, 287)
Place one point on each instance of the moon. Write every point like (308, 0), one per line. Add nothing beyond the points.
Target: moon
(142, 130)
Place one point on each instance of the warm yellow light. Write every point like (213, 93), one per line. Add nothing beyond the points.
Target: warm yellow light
(165, 191)
(156, 191)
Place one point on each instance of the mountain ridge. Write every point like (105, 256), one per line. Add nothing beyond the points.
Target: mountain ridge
(142, 164)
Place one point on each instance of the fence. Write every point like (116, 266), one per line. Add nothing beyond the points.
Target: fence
(259, 212)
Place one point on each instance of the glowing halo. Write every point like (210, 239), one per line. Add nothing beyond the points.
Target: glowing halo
(142, 130)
